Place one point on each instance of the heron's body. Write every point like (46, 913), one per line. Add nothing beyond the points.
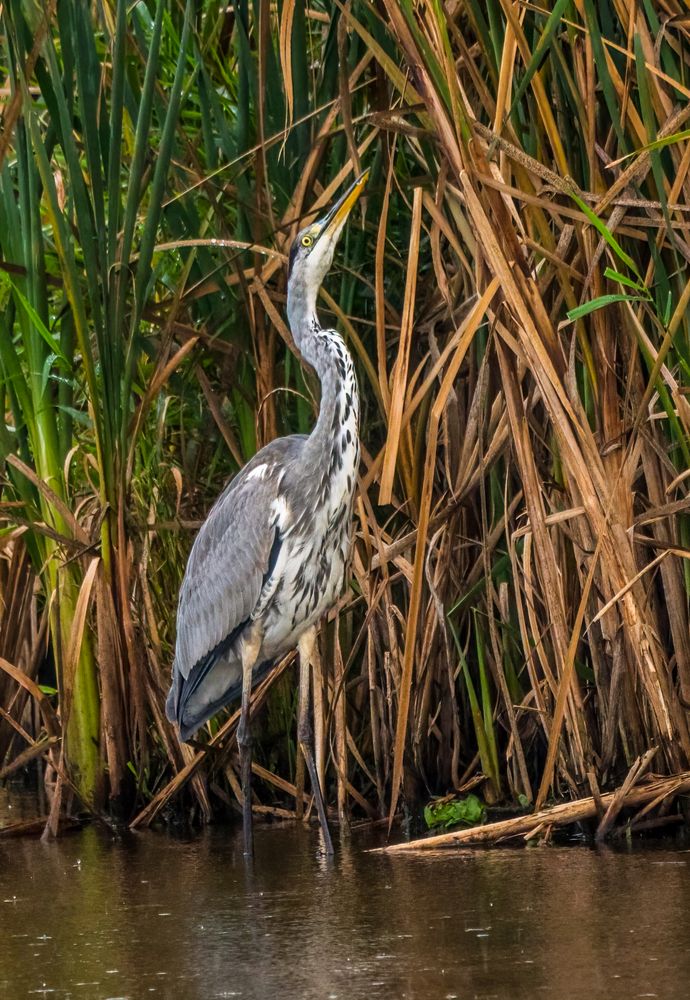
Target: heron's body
(270, 558)
(273, 549)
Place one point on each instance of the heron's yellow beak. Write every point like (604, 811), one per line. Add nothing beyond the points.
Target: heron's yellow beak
(336, 216)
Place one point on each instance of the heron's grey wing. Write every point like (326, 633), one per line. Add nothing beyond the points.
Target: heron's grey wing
(229, 566)
(226, 569)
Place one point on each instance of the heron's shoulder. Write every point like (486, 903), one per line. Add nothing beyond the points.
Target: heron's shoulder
(265, 471)
(280, 451)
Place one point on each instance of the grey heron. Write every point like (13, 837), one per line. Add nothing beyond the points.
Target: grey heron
(269, 560)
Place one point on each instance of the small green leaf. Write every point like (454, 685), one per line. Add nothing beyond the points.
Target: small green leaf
(622, 279)
(47, 689)
(668, 140)
(47, 365)
(5, 290)
(40, 326)
(602, 228)
(470, 810)
(79, 415)
(604, 300)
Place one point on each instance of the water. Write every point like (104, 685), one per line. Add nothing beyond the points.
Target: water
(91, 917)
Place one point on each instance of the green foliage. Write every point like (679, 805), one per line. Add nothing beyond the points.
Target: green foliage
(469, 810)
(160, 155)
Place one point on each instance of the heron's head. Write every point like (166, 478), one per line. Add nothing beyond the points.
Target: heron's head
(311, 254)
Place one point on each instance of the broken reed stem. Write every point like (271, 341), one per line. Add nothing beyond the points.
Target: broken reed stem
(561, 815)
(620, 796)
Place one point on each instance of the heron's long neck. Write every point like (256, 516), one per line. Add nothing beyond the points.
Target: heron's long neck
(337, 424)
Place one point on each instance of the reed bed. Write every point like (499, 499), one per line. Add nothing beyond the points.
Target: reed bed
(515, 294)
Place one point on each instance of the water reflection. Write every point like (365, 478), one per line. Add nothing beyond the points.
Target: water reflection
(91, 917)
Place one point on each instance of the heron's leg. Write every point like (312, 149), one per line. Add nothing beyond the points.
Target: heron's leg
(299, 774)
(305, 736)
(251, 645)
(318, 716)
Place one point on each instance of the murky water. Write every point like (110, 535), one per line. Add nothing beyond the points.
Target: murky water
(92, 917)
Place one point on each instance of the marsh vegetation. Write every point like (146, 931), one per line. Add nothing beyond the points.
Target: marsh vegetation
(515, 295)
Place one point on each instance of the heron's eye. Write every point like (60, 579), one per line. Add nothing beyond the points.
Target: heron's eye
(307, 241)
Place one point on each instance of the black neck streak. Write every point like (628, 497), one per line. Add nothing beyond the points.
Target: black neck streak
(332, 448)
(331, 453)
